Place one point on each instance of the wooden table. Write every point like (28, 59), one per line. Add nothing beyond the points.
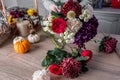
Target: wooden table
(15, 66)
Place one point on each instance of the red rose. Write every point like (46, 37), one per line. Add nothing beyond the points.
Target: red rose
(58, 25)
(86, 53)
(55, 69)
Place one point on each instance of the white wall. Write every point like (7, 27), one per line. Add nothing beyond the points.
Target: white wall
(26, 3)
(10, 3)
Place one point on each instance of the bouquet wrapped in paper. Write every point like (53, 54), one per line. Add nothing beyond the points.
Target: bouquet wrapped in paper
(69, 24)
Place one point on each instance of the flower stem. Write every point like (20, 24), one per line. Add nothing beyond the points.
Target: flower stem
(55, 42)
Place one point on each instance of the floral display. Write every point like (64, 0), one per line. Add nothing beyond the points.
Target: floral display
(19, 14)
(69, 25)
(108, 44)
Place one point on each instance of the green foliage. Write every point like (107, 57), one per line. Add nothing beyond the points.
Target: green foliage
(55, 57)
(59, 3)
(57, 14)
(82, 58)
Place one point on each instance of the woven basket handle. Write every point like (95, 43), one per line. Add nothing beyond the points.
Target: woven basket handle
(4, 9)
(36, 6)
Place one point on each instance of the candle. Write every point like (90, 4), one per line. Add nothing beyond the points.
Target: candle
(36, 5)
(4, 10)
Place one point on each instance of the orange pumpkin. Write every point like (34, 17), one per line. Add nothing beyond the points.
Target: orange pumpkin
(21, 45)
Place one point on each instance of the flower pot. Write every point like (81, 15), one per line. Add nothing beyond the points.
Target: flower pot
(24, 28)
(115, 3)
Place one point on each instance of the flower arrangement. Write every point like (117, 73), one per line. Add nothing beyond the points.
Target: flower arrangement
(20, 14)
(68, 24)
(108, 44)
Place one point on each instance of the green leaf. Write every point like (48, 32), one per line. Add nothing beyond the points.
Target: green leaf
(101, 48)
(57, 14)
(44, 63)
(54, 57)
(82, 58)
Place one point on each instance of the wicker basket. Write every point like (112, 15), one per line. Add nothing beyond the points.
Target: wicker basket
(18, 17)
(4, 32)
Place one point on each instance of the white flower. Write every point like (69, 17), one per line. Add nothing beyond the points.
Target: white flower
(81, 16)
(66, 32)
(46, 23)
(89, 16)
(71, 35)
(65, 37)
(46, 28)
(40, 75)
(68, 41)
(59, 40)
(71, 40)
(86, 19)
(61, 34)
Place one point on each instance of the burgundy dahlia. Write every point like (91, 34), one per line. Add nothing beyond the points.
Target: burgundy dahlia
(71, 5)
(70, 67)
(110, 45)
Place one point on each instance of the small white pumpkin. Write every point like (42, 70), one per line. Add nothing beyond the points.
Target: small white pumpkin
(17, 39)
(33, 37)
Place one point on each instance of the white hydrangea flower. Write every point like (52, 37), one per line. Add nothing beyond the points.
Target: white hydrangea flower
(41, 75)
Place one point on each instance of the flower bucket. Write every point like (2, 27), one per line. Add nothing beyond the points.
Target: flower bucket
(24, 28)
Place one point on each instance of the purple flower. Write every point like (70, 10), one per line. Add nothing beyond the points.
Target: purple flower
(87, 32)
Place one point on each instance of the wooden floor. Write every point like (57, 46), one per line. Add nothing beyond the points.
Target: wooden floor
(15, 66)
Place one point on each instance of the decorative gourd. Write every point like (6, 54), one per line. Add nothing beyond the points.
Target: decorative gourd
(21, 45)
(33, 37)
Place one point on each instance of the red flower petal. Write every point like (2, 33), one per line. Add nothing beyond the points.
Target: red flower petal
(55, 69)
(86, 53)
(58, 25)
